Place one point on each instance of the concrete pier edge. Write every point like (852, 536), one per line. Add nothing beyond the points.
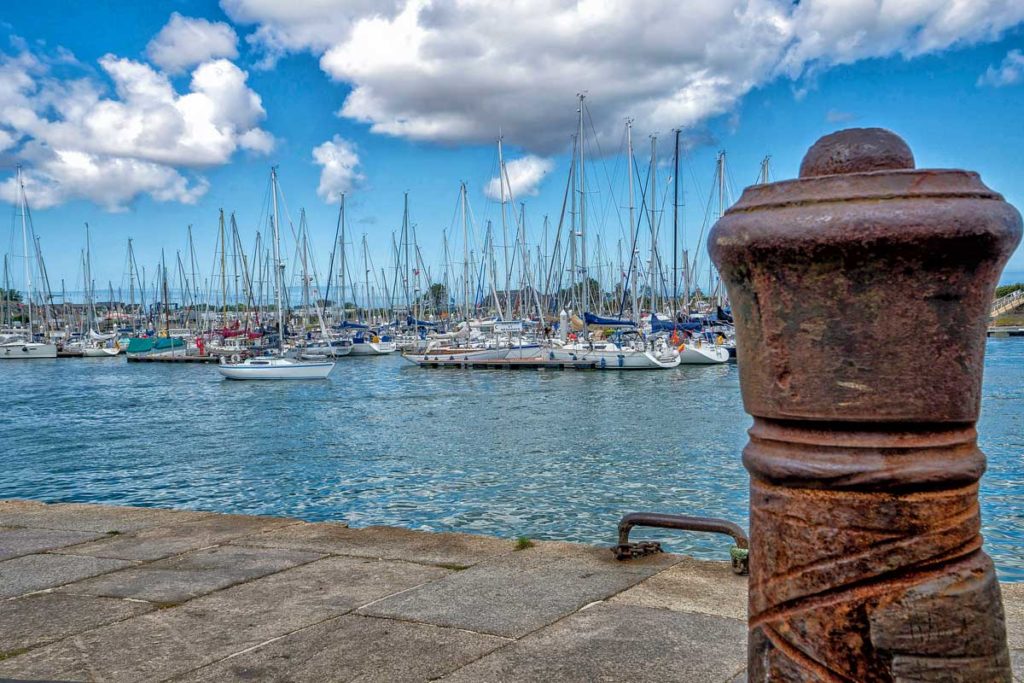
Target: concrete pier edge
(109, 593)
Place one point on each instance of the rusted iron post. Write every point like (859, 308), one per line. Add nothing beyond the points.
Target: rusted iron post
(861, 293)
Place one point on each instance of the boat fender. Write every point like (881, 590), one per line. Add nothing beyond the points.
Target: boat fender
(235, 358)
(682, 347)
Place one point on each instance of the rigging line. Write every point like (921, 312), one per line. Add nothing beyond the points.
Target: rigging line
(657, 233)
(561, 220)
(704, 225)
(636, 236)
(611, 187)
(330, 267)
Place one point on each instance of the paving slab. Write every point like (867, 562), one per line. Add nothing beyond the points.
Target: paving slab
(250, 598)
(30, 573)
(520, 592)
(316, 591)
(87, 517)
(192, 574)
(692, 586)
(620, 643)
(23, 541)
(43, 618)
(154, 543)
(1013, 607)
(175, 641)
(388, 543)
(352, 648)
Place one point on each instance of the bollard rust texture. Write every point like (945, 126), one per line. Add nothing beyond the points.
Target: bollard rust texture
(861, 293)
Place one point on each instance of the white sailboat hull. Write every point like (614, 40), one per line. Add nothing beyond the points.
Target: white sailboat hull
(705, 354)
(614, 358)
(27, 350)
(275, 369)
(331, 351)
(372, 348)
(94, 352)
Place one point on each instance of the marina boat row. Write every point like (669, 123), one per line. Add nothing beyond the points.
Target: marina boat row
(266, 309)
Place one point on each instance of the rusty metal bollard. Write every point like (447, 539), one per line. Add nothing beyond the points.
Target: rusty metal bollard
(861, 294)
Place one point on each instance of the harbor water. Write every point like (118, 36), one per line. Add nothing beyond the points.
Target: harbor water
(552, 455)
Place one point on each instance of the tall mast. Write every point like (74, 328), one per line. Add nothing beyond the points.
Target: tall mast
(366, 275)
(721, 212)
(223, 271)
(721, 184)
(574, 293)
(583, 218)
(24, 243)
(305, 269)
(504, 225)
(465, 252)
(192, 264)
(407, 271)
(277, 262)
(5, 314)
(45, 280)
(89, 294)
(632, 271)
(131, 286)
(652, 276)
(492, 266)
(167, 297)
(675, 228)
(341, 292)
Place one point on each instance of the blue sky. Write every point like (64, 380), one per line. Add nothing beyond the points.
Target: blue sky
(927, 81)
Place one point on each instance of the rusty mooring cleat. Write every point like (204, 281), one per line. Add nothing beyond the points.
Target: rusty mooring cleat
(628, 551)
(861, 294)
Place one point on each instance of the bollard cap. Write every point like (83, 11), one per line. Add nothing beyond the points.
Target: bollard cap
(861, 290)
(856, 150)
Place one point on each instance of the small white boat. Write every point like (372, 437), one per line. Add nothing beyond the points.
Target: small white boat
(701, 353)
(276, 368)
(610, 356)
(14, 350)
(363, 345)
(330, 349)
(100, 351)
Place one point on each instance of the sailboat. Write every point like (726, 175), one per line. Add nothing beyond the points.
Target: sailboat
(276, 367)
(27, 347)
(95, 345)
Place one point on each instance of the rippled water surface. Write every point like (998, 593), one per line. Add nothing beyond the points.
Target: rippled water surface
(558, 455)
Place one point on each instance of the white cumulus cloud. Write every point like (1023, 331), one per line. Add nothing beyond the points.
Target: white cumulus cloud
(456, 72)
(523, 177)
(313, 25)
(339, 168)
(78, 140)
(1009, 72)
(185, 42)
(111, 182)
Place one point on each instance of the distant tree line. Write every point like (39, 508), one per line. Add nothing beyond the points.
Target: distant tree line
(1003, 290)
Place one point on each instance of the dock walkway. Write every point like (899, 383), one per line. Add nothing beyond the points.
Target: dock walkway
(90, 592)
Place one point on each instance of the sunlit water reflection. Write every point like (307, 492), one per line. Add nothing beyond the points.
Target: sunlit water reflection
(558, 455)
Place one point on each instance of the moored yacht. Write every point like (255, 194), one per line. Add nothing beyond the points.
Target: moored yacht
(371, 344)
(276, 367)
(21, 349)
